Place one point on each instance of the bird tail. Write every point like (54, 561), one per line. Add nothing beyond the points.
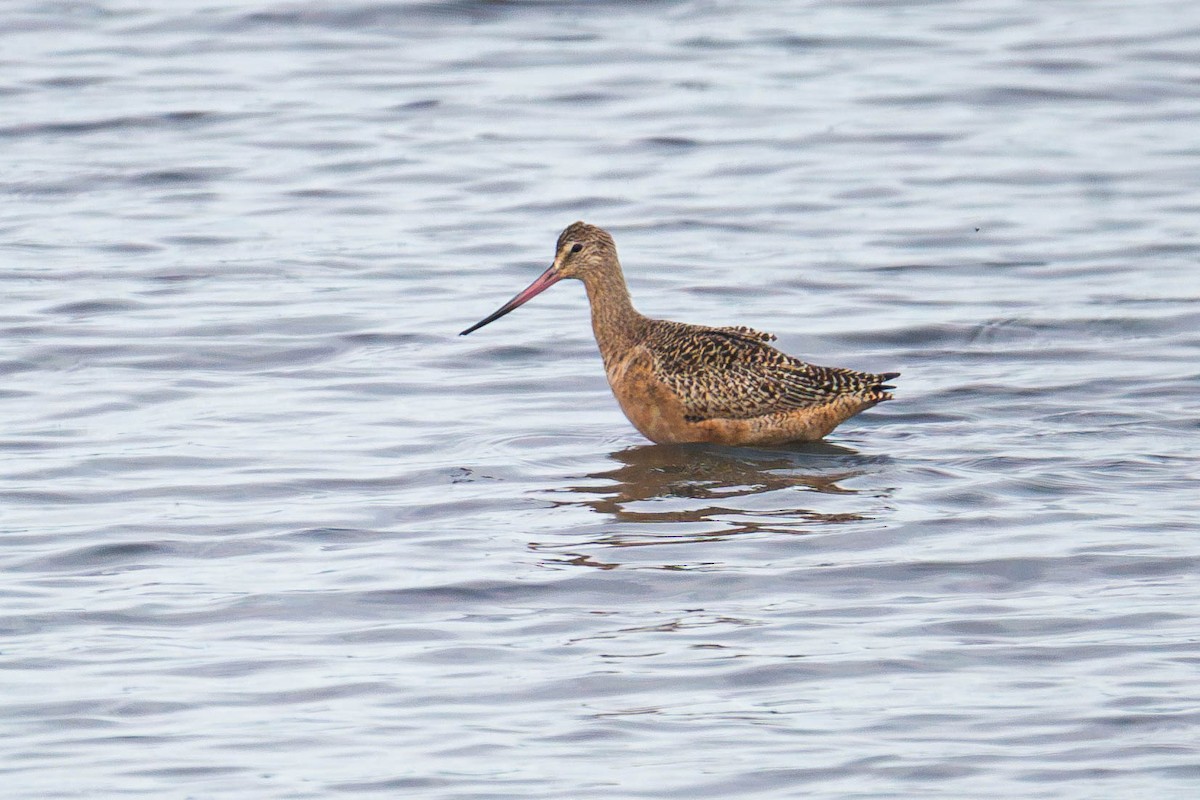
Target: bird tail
(882, 388)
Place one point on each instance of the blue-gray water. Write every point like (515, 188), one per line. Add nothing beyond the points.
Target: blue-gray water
(270, 529)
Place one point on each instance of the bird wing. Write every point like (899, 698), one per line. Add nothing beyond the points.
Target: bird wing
(748, 333)
(732, 373)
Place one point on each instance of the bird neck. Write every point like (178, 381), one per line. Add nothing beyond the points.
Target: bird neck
(615, 322)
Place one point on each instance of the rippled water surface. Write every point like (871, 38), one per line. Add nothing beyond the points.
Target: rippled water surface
(272, 530)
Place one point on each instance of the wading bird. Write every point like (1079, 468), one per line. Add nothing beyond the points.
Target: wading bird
(692, 383)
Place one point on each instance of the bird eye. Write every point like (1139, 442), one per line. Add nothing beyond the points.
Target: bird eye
(575, 248)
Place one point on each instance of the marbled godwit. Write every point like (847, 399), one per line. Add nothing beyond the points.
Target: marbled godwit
(691, 383)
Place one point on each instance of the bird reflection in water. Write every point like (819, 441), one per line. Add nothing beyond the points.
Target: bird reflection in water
(677, 494)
